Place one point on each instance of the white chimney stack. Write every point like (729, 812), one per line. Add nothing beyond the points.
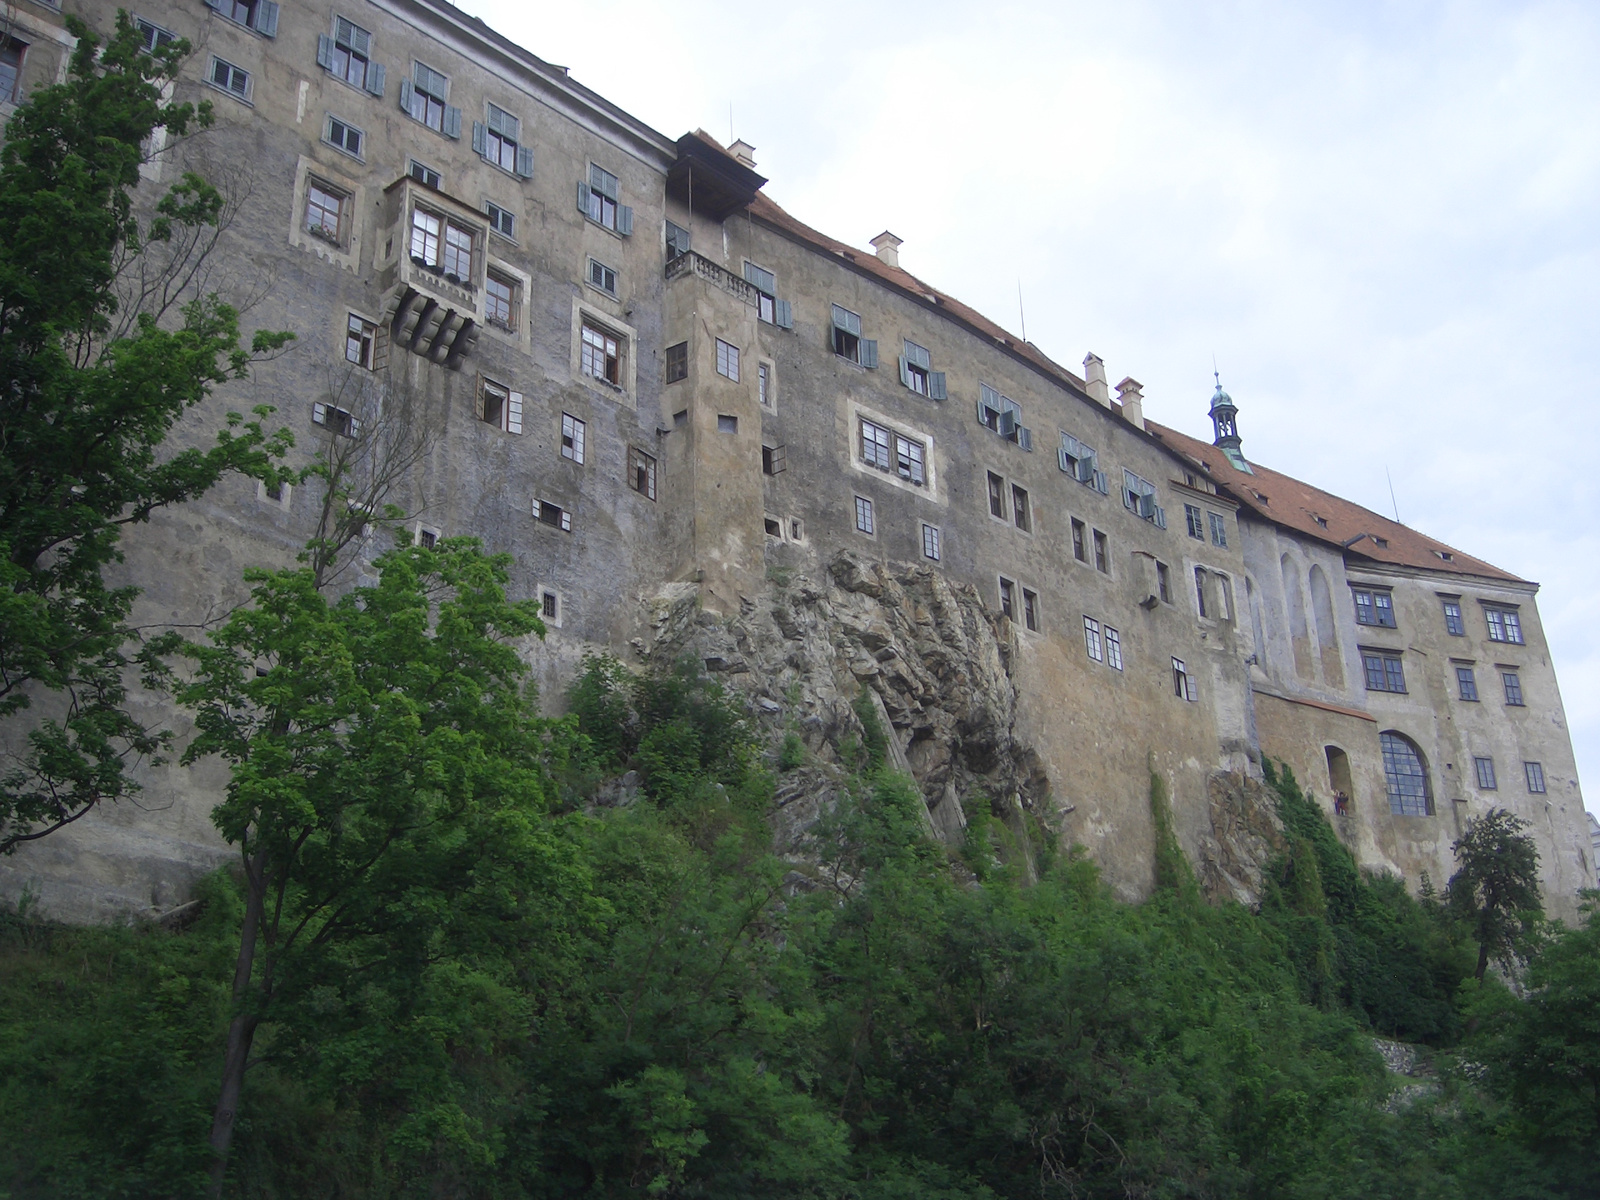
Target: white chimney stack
(1094, 378)
(888, 248)
(1131, 392)
(744, 152)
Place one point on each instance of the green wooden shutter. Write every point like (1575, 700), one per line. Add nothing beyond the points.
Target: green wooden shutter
(869, 353)
(324, 52)
(480, 138)
(905, 374)
(405, 95)
(375, 76)
(514, 413)
(936, 386)
(525, 161)
(583, 198)
(266, 22)
(452, 122)
(624, 220)
(784, 315)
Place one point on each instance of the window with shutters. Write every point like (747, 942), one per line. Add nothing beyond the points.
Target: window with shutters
(1193, 521)
(1182, 681)
(1505, 624)
(226, 77)
(1003, 415)
(1008, 597)
(1139, 498)
(1113, 649)
(1030, 609)
(917, 374)
(339, 421)
(1406, 777)
(1484, 767)
(553, 515)
(1102, 553)
(259, 15)
(930, 542)
(1374, 606)
(602, 277)
(345, 137)
(677, 362)
(1534, 773)
(347, 56)
(848, 343)
(1385, 671)
(1079, 460)
(642, 473)
(728, 360)
(499, 406)
(325, 211)
(1466, 683)
(1453, 624)
(361, 342)
(890, 450)
(997, 496)
(600, 354)
(677, 239)
(426, 98)
(1021, 511)
(768, 307)
(599, 199)
(774, 460)
(152, 37)
(864, 519)
(497, 140)
(1513, 686)
(1219, 529)
(502, 221)
(572, 435)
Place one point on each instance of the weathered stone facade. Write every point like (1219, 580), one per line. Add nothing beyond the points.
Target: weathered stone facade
(697, 424)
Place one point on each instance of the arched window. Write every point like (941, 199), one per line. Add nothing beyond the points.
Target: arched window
(1410, 793)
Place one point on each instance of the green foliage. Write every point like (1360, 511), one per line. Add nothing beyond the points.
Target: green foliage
(1496, 888)
(1172, 870)
(792, 753)
(96, 378)
(874, 741)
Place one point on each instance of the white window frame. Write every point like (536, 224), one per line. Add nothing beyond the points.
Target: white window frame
(244, 97)
(511, 405)
(627, 342)
(866, 516)
(563, 514)
(932, 543)
(329, 121)
(1093, 644)
(890, 473)
(728, 360)
(574, 434)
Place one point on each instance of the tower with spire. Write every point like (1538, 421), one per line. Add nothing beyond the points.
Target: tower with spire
(1225, 422)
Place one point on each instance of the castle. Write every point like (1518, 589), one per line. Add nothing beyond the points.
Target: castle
(612, 356)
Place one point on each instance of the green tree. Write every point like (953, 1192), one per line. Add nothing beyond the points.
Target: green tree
(1496, 887)
(386, 764)
(103, 347)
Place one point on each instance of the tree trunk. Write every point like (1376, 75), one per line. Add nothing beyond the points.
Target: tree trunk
(1483, 960)
(242, 1029)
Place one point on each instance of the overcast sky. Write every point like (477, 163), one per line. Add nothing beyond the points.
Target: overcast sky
(1380, 218)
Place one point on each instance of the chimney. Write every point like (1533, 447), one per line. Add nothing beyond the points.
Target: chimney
(1130, 392)
(744, 152)
(1094, 376)
(888, 248)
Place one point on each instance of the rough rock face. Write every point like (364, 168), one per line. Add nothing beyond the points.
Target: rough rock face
(1245, 834)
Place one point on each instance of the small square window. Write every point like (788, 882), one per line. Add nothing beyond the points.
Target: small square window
(677, 362)
(427, 176)
(500, 295)
(864, 521)
(728, 360)
(501, 220)
(343, 136)
(1453, 624)
(602, 277)
(1008, 603)
(231, 79)
(1466, 683)
(774, 460)
(642, 473)
(360, 342)
(1102, 557)
(572, 434)
(1485, 770)
(1534, 772)
(553, 515)
(727, 423)
(1030, 609)
(426, 537)
(773, 528)
(1513, 685)
(1113, 648)
(930, 542)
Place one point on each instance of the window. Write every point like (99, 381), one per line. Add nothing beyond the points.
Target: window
(500, 300)
(347, 55)
(1219, 529)
(602, 277)
(1485, 770)
(497, 140)
(442, 245)
(600, 354)
(1182, 681)
(642, 473)
(1113, 648)
(426, 537)
(1102, 560)
(774, 460)
(764, 384)
(1374, 607)
(930, 543)
(728, 360)
(260, 15)
(572, 431)
(997, 496)
(549, 605)
(1410, 793)
(887, 450)
(1020, 512)
(426, 97)
(1091, 640)
(677, 362)
(1200, 590)
(1164, 582)
(502, 221)
(360, 342)
(499, 406)
(336, 420)
(796, 529)
(425, 230)
(1513, 685)
(1466, 683)
(1003, 415)
(727, 423)
(11, 52)
(774, 529)
(324, 212)
(1139, 497)
(863, 514)
(1534, 773)
(1504, 625)
(231, 79)
(151, 37)
(343, 136)
(1453, 624)
(1191, 518)
(916, 375)
(1008, 598)
(598, 200)
(1384, 671)
(1079, 460)
(1080, 550)
(768, 307)
(847, 340)
(677, 241)
(1030, 609)
(428, 177)
(457, 252)
(553, 515)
